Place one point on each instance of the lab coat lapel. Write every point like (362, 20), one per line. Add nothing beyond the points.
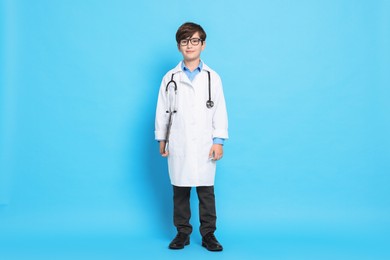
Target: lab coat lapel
(181, 76)
(184, 79)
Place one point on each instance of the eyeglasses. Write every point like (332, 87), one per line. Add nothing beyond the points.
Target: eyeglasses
(194, 41)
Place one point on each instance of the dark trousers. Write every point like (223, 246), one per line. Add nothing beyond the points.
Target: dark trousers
(182, 210)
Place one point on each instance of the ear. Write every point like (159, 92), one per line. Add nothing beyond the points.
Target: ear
(203, 45)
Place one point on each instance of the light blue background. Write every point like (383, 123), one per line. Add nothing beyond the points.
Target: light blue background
(306, 170)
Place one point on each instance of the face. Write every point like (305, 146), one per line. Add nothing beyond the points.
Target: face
(192, 52)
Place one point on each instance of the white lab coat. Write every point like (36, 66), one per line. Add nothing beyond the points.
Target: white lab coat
(193, 126)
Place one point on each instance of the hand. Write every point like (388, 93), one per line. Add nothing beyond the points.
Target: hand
(216, 152)
(162, 149)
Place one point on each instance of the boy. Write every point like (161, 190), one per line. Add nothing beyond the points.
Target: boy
(191, 125)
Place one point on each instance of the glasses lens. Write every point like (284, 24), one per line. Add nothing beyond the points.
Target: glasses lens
(195, 41)
(183, 42)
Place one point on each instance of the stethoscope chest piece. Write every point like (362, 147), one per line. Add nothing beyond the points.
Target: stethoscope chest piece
(209, 104)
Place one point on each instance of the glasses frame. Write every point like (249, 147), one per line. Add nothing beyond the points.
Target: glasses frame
(190, 40)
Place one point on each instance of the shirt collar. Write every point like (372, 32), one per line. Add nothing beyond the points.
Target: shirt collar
(199, 68)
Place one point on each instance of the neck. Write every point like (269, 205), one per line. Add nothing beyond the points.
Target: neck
(192, 64)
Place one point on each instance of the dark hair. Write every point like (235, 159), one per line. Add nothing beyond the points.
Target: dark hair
(188, 29)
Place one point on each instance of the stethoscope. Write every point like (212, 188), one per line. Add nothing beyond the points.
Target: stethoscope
(209, 102)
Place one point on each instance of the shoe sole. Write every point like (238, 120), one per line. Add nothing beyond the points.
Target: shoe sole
(212, 250)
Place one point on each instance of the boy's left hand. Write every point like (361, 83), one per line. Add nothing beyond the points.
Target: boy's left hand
(216, 152)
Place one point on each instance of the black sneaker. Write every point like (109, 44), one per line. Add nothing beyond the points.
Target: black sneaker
(180, 241)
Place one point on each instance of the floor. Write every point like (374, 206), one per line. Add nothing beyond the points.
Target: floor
(267, 245)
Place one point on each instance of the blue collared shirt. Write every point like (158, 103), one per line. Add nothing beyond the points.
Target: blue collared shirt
(191, 75)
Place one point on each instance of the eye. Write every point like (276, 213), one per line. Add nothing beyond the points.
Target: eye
(195, 41)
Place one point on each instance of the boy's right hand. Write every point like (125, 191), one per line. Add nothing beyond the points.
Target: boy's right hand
(162, 149)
